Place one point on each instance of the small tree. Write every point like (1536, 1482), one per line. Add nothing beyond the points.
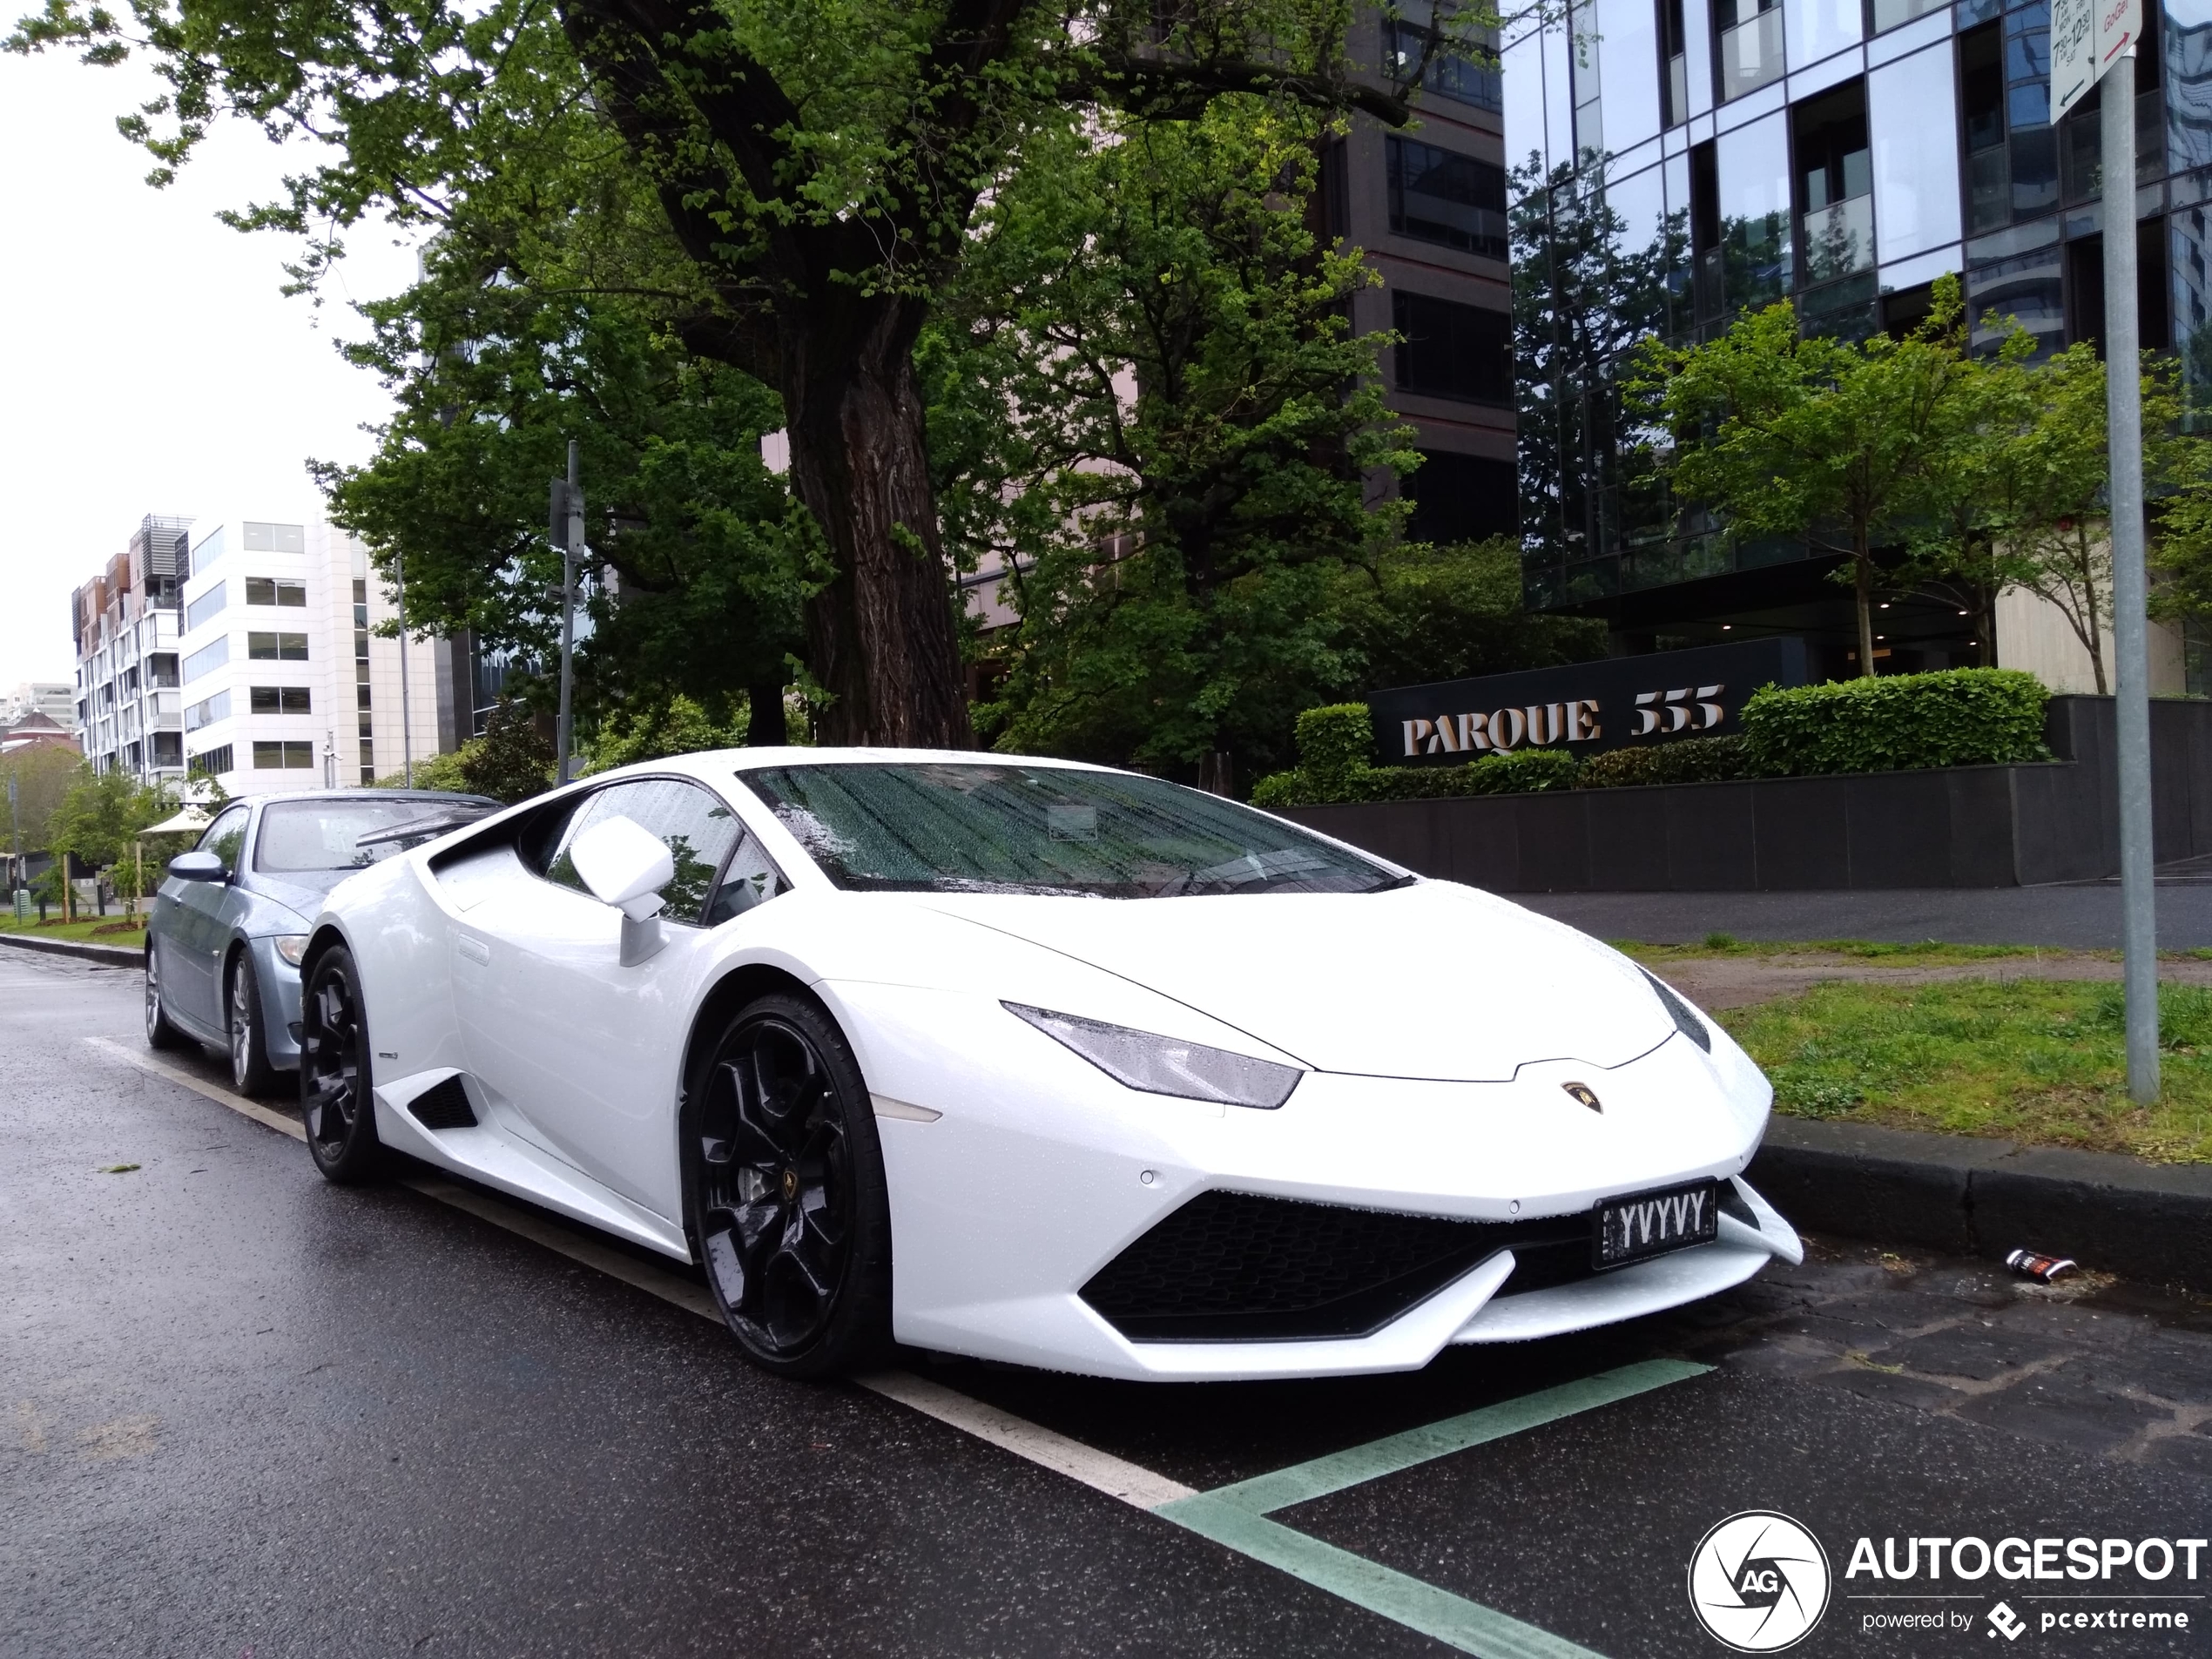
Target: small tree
(1785, 434)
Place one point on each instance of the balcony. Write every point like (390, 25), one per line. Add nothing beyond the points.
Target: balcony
(1752, 54)
(1839, 239)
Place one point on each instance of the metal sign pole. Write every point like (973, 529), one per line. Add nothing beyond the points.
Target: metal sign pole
(2130, 626)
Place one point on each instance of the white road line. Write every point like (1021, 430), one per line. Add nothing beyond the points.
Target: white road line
(1100, 1471)
(220, 1095)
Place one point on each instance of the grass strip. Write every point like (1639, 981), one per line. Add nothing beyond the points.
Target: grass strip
(2039, 1061)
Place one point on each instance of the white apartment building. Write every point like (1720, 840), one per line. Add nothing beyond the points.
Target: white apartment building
(124, 621)
(283, 680)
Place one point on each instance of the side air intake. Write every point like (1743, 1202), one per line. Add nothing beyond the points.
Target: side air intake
(443, 1106)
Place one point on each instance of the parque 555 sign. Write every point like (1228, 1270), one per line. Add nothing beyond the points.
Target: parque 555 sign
(1587, 706)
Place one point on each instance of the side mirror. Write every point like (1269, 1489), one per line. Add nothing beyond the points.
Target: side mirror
(197, 865)
(625, 864)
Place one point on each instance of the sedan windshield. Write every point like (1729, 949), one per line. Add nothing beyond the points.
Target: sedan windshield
(956, 826)
(302, 835)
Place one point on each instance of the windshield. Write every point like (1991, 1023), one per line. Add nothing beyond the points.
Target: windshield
(302, 835)
(961, 827)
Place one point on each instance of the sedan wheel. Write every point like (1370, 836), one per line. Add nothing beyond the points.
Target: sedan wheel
(786, 1188)
(250, 1073)
(334, 1072)
(159, 1033)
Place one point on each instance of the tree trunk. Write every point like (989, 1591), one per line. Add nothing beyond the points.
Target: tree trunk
(882, 633)
(1863, 570)
(2093, 636)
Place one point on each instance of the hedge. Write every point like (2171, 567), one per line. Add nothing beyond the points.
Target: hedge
(1684, 760)
(1961, 716)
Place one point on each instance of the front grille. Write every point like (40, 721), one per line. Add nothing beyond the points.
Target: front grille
(443, 1106)
(1236, 1267)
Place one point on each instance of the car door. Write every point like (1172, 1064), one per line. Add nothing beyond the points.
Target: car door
(583, 1049)
(192, 947)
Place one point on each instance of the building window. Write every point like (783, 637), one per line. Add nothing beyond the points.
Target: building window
(269, 590)
(1437, 196)
(275, 538)
(205, 660)
(213, 761)
(168, 748)
(1446, 349)
(209, 550)
(276, 648)
(161, 669)
(208, 605)
(1452, 71)
(287, 756)
(1750, 45)
(281, 699)
(215, 708)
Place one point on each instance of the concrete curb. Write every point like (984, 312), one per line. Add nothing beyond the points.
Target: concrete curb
(1952, 1192)
(106, 955)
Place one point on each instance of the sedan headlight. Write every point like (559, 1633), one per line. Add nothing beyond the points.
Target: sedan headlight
(291, 947)
(1161, 1065)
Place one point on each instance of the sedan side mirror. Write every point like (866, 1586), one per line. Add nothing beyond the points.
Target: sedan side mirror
(625, 864)
(197, 865)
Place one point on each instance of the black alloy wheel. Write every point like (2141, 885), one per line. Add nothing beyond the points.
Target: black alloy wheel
(159, 1033)
(251, 1072)
(785, 1178)
(334, 1071)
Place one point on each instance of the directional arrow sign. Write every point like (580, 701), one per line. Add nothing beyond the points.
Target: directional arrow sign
(2086, 37)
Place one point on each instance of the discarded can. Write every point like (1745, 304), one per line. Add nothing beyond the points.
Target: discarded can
(2041, 1269)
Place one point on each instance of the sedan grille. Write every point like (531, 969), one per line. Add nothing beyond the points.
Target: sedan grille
(1236, 1267)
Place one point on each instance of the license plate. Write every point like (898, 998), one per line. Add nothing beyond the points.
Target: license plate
(1651, 1224)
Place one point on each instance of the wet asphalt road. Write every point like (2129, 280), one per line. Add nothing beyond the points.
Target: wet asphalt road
(243, 1412)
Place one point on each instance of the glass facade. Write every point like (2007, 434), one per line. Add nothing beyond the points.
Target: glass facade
(1674, 162)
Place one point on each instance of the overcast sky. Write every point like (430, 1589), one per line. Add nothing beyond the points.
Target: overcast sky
(148, 363)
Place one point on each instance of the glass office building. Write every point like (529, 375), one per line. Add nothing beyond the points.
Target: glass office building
(1675, 161)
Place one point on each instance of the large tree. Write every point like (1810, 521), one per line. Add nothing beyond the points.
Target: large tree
(1791, 433)
(1193, 424)
(814, 169)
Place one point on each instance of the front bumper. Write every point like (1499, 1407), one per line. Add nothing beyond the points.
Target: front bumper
(279, 981)
(1027, 1170)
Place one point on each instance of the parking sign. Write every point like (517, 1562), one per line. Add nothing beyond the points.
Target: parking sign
(2086, 37)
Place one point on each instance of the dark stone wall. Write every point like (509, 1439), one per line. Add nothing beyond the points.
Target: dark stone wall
(1956, 827)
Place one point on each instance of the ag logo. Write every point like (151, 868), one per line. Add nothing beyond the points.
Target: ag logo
(1758, 1583)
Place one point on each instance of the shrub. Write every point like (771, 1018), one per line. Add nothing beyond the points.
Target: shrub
(1517, 772)
(1684, 760)
(1335, 743)
(1962, 717)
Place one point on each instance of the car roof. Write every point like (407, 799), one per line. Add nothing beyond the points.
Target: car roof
(753, 760)
(358, 794)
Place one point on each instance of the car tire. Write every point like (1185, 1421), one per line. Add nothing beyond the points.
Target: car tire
(335, 1102)
(160, 1033)
(251, 1072)
(785, 1190)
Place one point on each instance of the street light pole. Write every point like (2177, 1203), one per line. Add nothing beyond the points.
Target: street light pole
(2130, 625)
(571, 520)
(407, 718)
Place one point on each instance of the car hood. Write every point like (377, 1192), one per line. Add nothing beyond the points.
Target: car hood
(1433, 981)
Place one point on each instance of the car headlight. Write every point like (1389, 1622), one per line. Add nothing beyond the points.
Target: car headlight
(291, 947)
(1161, 1065)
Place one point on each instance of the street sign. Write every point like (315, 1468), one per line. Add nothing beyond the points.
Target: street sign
(2086, 39)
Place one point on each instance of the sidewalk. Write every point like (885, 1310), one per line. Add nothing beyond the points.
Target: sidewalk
(2084, 917)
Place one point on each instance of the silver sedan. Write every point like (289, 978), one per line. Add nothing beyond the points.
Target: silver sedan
(228, 925)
